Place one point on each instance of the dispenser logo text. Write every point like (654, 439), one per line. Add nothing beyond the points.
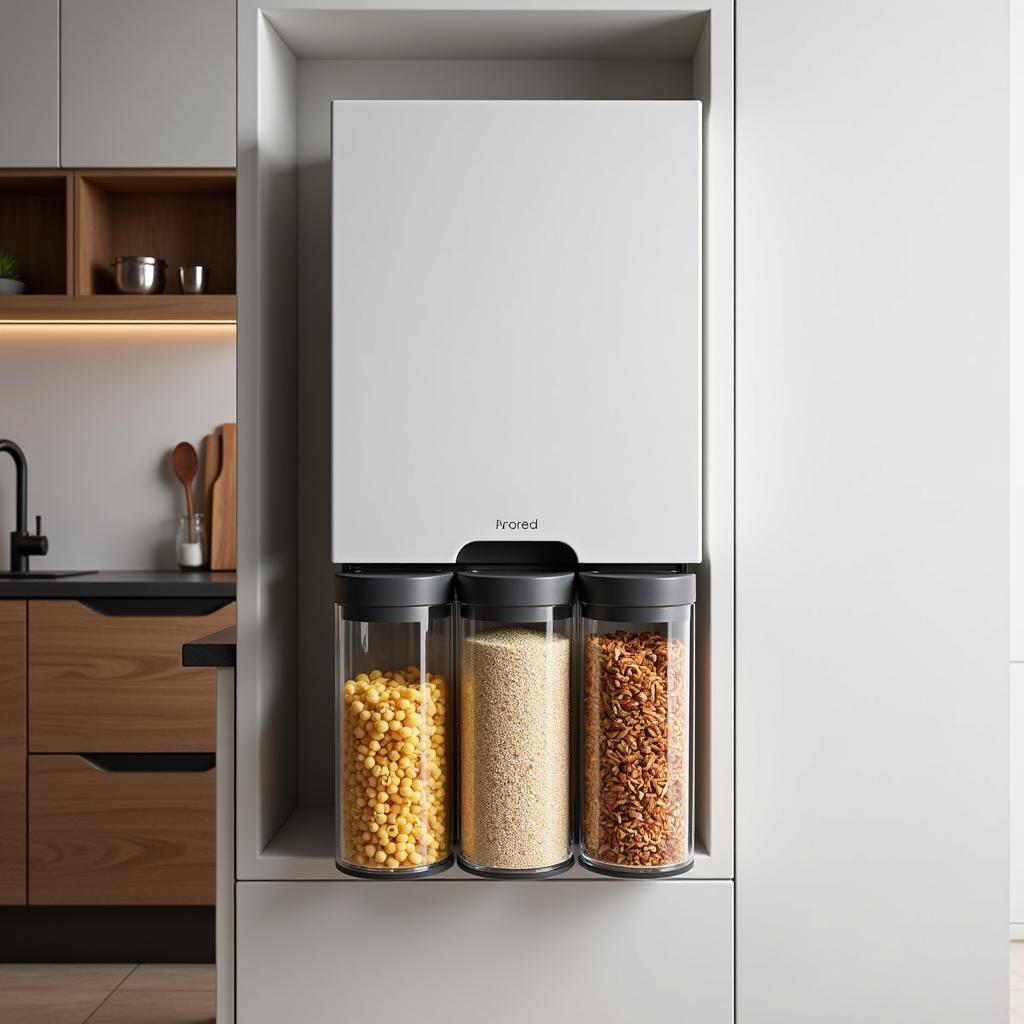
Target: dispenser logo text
(501, 524)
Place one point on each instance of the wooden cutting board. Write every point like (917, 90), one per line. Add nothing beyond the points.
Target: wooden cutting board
(224, 537)
(211, 470)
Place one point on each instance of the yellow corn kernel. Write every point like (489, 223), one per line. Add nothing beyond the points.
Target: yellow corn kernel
(393, 778)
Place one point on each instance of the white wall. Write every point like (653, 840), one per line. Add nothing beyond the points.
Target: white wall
(267, 454)
(97, 410)
(872, 426)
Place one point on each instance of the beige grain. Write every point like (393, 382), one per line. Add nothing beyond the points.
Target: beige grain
(515, 748)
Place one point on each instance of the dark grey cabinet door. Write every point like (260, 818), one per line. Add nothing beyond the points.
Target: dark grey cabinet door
(148, 83)
(29, 83)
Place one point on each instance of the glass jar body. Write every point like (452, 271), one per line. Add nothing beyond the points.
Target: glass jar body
(636, 770)
(393, 797)
(515, 742)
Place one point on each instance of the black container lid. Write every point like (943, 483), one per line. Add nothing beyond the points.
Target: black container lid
(506, 594)
(383, 596)
(603, 591)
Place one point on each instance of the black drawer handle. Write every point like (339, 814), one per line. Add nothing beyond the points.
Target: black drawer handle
(141, 606)
(151, 762)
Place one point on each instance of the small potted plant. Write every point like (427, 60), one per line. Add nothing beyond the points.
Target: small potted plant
(10, 273)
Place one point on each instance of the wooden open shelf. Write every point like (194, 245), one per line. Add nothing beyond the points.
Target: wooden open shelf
(187, 217)
(155, 308)
(36, 211)
(65, 228)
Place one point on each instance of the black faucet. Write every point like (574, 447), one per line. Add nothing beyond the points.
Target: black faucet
(23, 543)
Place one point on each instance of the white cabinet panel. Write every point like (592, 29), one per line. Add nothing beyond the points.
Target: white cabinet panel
(871, 504)
(494, 952)
(517, 323)
(29, 83)
(1017, 477)
(1017, 795)
(148, 83)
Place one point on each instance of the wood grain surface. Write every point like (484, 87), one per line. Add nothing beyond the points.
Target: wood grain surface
(35, 227)
(185, 217)
(66, 226)
(100, 683)
(119, 838)
(189, 308)
(224, 539)
(211, 470)
(12, 753)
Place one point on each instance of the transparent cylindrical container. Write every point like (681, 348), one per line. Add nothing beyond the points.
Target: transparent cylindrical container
(393, 707)
(515, 682)
(190, 542)
(636, 759)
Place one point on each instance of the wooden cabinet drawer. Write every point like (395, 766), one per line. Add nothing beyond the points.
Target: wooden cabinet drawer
(119, 837)
(12, 753)
(102, 681)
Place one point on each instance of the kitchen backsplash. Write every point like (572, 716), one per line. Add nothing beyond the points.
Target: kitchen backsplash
(97, 410)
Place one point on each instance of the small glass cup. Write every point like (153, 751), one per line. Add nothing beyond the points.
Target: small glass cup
(190, 542)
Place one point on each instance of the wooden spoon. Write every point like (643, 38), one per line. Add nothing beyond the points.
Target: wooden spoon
(186, 466)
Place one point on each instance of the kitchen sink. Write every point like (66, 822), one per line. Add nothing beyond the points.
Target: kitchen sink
(44, 574)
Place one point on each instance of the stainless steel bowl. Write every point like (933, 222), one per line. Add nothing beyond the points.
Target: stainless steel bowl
(194, 280)
(139, 275)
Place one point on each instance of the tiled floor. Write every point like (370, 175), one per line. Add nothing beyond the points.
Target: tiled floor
(182, 993)
(107, 993)
(1017, 983)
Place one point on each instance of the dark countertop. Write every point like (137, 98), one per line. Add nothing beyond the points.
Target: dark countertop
(123, 584)
(214, 651)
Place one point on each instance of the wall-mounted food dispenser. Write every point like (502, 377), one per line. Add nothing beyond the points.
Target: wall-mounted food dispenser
(516, 304)
(636, 764)
(515, 685)
(394, 676)
(516, 357)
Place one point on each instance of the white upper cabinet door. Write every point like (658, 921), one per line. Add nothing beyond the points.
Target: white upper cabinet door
(148, 83)
(30, 83)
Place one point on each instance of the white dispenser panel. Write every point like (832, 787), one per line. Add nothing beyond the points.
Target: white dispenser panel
(516, 328)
